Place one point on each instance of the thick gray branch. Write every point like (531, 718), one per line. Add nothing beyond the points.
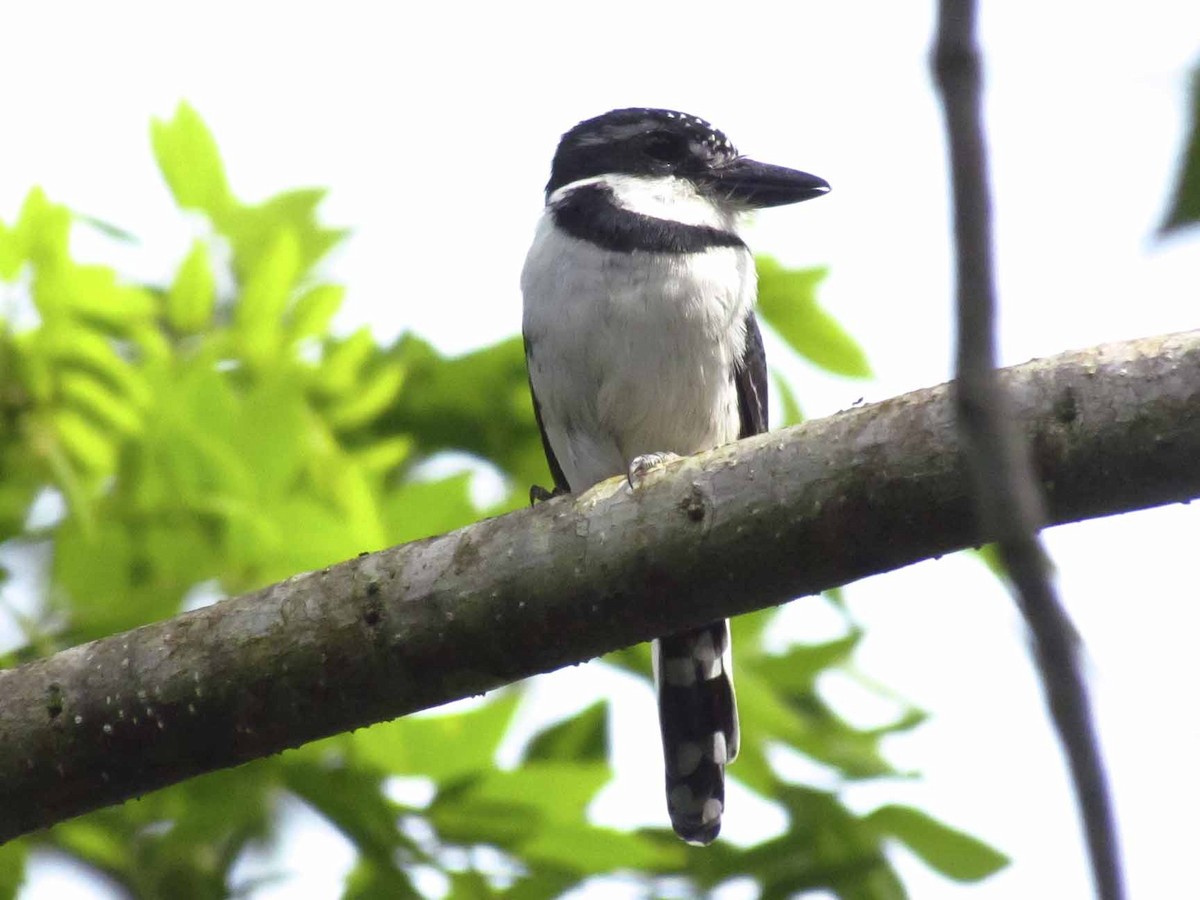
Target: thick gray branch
(873, 488)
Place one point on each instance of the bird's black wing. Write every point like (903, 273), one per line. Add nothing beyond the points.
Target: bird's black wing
(556, 472)
(750, 378)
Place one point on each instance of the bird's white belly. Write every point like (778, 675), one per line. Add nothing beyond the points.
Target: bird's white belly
(633, 353)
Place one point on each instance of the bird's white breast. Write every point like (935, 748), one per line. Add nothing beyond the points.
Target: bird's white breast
(632, 353)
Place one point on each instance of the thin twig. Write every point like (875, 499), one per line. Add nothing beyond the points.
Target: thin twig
(1007, 498)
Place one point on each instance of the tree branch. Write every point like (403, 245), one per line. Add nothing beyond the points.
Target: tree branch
(1004, 487)
(784, 514)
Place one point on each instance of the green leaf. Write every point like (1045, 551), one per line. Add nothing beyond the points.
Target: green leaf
(440, 746)
(86, 444)
(189, 161)
(12, 254)
(635, 659)
(251, 229)
(95, 295)
(12, 868)
(473, 885)
(268, 431)
(787, 300)
(951, 852)
(493, 420)
(511, 808)
(377, 391)
(23, 480)
(802, 720)
(42, 230)
(259, 313)
(314, 310)
(559, 790)
(989, 555)
(88, 839)
(749, 630)
(384, 455)
(826, 846)
(1185, 202)
(590, 850)
(94, 353)
(96, 399)
(71, 482)
(797, 669)
(792, 414)
(547, 883)
(344, 360)
(192, 297)
(181, 842)
(350, 798)
(370, 881)
(297, 210)
(92, 568)
(419, 509)
(581, 738)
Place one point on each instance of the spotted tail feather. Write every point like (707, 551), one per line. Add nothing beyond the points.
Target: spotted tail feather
(698, 715)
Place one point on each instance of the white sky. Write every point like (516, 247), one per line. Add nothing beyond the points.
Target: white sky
(434, 127)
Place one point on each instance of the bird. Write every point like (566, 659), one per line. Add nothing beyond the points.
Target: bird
(641, 344)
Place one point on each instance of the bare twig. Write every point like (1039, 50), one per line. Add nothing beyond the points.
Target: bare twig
(780, 515)
(1005, 490)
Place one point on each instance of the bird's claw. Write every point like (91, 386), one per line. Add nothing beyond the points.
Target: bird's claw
(538, 494)
(641, 466)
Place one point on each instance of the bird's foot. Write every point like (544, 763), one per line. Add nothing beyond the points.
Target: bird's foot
(642, 466)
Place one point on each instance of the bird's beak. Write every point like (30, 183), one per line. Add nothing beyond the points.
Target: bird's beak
(758, 185)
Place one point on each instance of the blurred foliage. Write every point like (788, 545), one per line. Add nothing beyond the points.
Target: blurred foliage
(1185, 200)
(787, 300)
(162, 444)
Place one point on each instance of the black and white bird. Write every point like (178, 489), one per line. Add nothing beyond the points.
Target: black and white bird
(641, 343)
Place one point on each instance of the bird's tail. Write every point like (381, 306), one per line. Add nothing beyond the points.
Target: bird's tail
(698, 714)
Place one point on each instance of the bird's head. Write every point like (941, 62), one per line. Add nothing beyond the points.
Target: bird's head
(661, 143)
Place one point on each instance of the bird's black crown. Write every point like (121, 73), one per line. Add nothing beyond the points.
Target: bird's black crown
(639, 142)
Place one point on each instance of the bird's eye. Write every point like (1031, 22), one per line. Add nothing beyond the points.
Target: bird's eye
(666, 148)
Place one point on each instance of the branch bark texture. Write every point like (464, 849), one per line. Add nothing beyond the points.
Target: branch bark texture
(873, 488)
